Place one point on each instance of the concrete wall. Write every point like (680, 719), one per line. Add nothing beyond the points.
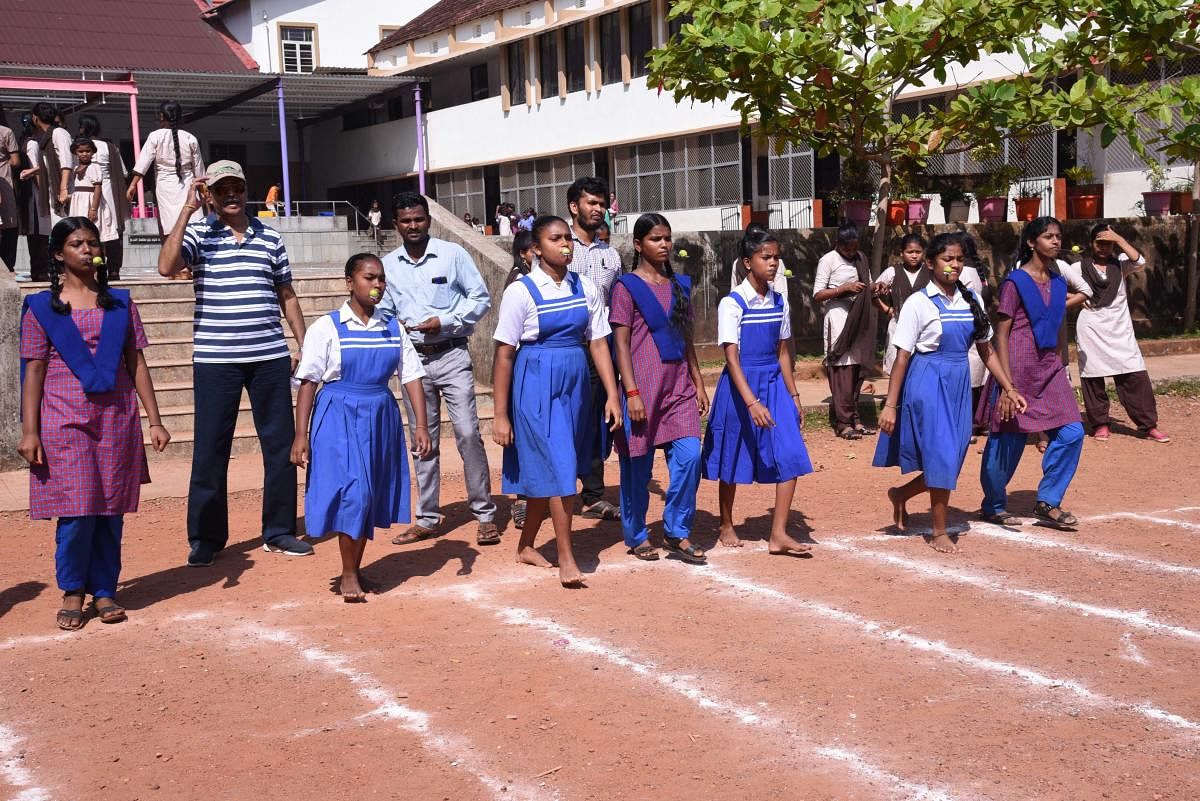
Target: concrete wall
(10, 372)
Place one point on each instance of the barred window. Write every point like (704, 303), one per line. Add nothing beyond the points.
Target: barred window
(573, 38)
(299, 48)
(791, 173)
(548, 63)
(516, 73)
(610, 48)
(541, 184)
(640, 34)
(682, 173)
(461, 191)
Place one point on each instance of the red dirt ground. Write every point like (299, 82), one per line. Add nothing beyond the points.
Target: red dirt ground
(1034, 665)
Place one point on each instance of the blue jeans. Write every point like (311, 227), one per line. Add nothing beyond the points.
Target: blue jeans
(87, 554)
(683, 464)
(1003, 453)
(218, 392)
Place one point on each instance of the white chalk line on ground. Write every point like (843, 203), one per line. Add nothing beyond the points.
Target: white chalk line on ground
(460, 752)
(933, 570)
(13, 770)
(1145, 518)
(688, 686)
(1130, 651)
(890, 634)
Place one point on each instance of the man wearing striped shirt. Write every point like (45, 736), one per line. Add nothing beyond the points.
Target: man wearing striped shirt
(243, 281)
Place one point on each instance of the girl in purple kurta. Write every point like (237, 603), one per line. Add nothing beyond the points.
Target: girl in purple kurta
(650, 313)
(1033, 300)
(82, 362)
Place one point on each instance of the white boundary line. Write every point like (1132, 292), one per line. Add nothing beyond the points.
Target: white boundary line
(458, 750)
(687, 686)
(1130, 651)
(1139, 619)
(13, 770)
(963, 657)
(1162, 521)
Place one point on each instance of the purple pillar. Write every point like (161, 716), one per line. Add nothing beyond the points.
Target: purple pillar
(287, 181)
(420, 138)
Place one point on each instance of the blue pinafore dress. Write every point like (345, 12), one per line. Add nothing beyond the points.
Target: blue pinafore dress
(933, 423)
(552, 439)
(358, 470)
(737, 451)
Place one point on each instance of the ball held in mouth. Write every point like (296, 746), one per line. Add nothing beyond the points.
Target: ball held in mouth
(565, 251)
(375, 294)
(97, 261)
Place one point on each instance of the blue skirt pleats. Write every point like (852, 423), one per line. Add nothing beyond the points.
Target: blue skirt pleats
(552, 420)
(933, 427)
(738, 452)
(358, 469)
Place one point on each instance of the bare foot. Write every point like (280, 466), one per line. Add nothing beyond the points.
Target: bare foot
(530, 556)
(942, 543)
(571, 578)
(367, 584)
(783, 545)
(729, 538)
(352, 592)
(899, 512)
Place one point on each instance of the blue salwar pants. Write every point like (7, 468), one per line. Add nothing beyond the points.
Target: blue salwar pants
(683, 464)
(87, 554)
(1003, 453)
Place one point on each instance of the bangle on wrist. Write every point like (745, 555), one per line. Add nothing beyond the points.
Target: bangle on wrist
(751, 403)
(157, 425)
(891, 406)
(633, 393)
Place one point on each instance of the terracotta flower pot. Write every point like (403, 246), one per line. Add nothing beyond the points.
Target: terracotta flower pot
(1084, 207)
(857, 211)
(993, 209)
(918, 210)
(1028, 207)
(1158, 204)
(897, 212)
(1181, 202)
(958, 211)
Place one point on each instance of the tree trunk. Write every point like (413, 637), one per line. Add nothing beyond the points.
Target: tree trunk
(881, 226)
(1189, 304)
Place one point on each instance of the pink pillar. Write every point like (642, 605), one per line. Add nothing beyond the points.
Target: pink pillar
(137, 151)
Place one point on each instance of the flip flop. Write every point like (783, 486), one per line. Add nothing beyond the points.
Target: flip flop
(601, 510)
(73, 616)
(645, 551)
(414, 533)
(691, 554)
(111, 613)
(1002, 519)
(851, 433)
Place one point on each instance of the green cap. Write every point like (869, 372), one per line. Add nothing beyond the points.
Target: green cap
(225, 168)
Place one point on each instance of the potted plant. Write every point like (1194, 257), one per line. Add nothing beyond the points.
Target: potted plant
(1028, 202)
(1157, 201)
(993, 193)
(956, 203)
(1181, 197)
(855, 194)
(1084, 198)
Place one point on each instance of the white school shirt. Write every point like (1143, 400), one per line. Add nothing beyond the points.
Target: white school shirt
(738, 273)
(321, 356)
(889, 275)
(832, 271)
(919, 328)
(729, 313)
(518, 317)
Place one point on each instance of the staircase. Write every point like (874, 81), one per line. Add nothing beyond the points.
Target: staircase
(166, 311)
(387, 241)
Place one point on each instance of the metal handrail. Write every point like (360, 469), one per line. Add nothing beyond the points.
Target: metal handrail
(313, 207)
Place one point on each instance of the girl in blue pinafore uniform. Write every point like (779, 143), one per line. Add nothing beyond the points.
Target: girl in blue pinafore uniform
(541, 389)
(355, 451)
(926, 421)
(753, 434)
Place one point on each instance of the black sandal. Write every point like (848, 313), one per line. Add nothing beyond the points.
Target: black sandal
(850, 433)
(690, 554)
(1002, 519)
(110, 613)
(1055, 516)
(645, 551)
(73, 616)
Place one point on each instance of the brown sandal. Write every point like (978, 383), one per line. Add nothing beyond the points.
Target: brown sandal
(414, 533)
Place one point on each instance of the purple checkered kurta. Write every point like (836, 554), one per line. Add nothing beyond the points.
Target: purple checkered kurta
(95, 460)
(665, 387)
(1037, 373)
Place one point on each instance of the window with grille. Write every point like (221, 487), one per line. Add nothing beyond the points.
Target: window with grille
(461, 191)
(299, 48)
(541, 184)
(790, 172)
(479, 82)
(516, 72)
(688, 172)
(610, 48)
(640, 33)
(1119, 156)
(573, 38)
(548, 63)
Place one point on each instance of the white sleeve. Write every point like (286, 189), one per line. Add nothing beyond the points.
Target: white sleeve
(515, 306)
(410, 368)
(598, 325)
(824, 274)
(887, 276)
(94, 173)
(912, 321)
(785, 328)
(145, 159)
(62, 144)
(1128, 267)
(1073, 274)
(729, 322)
(315, 356)
(971, 279)
(197, 158)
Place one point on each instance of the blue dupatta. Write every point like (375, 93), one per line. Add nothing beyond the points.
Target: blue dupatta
(97, 373)
(669, 342)
(1044, 318)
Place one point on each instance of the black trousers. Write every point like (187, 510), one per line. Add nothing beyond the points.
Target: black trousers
(39, 257)
(114, 257)
(1136, 394)
(592, 485)
(845, 385)
(8, 247)
(218, 391)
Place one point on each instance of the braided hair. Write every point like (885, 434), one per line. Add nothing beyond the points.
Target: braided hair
(171, 111)
(89, 126)
(58, 240)
(937, 247)
(681, 306)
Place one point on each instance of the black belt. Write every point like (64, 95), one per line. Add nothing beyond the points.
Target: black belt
(439, 347)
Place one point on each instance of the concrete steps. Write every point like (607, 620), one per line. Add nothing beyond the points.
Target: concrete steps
(166, 309)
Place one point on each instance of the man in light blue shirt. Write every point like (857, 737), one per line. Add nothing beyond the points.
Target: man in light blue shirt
(436, 291)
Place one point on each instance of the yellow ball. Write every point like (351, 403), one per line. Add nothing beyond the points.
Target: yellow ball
(97, 261)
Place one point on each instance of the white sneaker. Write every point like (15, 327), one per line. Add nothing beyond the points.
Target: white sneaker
(23, 278)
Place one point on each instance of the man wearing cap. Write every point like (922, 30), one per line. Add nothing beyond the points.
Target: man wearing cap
(436, 291)
(243, 282)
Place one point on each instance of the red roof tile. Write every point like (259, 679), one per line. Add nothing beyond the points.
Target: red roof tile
(164, 35)
(443, 15)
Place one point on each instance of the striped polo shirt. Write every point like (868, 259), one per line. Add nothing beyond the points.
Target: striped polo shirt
(237, 316)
